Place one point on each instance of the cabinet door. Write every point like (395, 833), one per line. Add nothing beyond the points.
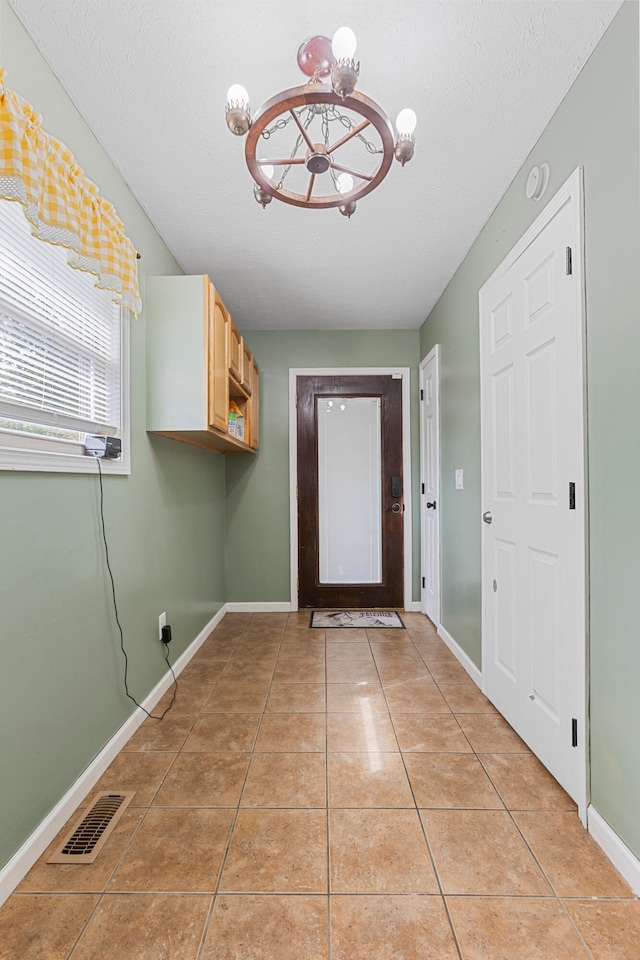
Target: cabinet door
(235, 351)
(218, 377)
(247, 368)
(254, 425)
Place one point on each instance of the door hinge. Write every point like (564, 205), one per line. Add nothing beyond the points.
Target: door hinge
(574, 732)
(423, 487)
(569, 262)
(296, 399)
(296, 493)
(423, 583)
(572, 496)
(422, 394)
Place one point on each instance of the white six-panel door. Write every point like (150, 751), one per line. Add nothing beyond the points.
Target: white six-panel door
(533, 491)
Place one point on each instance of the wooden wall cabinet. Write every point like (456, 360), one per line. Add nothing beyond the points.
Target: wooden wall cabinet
(254, 435)
(235, 352)
(197, 362)
(246, 378)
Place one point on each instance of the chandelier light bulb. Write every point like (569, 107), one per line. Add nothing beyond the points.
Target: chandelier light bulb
(345, 182)
(344, 44)
(237, 110)
(238, 94)
(344, 72)
(267, 168)
(406, 122)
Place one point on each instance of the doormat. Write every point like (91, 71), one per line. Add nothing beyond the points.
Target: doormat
(356, 618)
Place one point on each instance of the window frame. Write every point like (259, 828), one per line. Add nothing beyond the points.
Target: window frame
(35, 453)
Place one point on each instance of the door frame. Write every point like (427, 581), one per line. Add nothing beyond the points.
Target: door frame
(401, 373)
(572, 191)
(434, 353)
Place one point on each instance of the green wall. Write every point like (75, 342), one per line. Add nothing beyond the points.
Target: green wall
(258, 545)
(596, 126)
(61, 693)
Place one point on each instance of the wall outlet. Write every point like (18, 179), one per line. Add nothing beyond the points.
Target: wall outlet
(459, 479)
(162, 619)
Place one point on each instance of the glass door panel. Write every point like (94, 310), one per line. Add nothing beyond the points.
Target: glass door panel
(349, 490)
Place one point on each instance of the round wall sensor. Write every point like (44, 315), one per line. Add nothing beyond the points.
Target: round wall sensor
(537, 181)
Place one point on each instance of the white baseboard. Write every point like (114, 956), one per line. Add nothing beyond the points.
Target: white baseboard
(413, 607)
(459, 654)
(618, 852)
(259, 607)
(35, 845)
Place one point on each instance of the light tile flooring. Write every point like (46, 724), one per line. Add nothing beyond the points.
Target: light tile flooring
(347, 795)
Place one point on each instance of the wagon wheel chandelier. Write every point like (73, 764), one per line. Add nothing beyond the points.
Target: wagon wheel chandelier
(338, 131)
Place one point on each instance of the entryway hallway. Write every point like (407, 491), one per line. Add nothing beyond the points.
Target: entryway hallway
(342, 794)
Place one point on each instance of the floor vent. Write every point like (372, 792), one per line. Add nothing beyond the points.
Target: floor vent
(86, 839)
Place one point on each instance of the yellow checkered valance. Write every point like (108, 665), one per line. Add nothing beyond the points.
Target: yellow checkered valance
(62, 205)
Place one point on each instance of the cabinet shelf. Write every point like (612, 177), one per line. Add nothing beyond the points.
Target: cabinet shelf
(237, 391)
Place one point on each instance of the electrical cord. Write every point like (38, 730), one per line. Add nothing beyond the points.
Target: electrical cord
(115, 608)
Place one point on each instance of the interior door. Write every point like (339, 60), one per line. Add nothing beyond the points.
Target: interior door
(430, 499)
(350, 492)
(534, 643)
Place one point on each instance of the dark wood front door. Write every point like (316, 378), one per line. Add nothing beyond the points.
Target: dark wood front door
(385, 588)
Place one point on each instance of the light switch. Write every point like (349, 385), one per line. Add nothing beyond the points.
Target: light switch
(459, 480)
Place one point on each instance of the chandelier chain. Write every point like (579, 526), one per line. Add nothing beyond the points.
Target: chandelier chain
(326, 134)
(296, 147)
(332, 114)
(280, 124)
(329, 115)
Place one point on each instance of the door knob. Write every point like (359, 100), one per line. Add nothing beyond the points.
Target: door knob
(431, 506)
(486, 516)
(396, 508)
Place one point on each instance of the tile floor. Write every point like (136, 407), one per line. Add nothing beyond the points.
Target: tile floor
(346, 794)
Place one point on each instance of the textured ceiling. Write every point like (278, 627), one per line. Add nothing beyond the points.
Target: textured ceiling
(150, 78)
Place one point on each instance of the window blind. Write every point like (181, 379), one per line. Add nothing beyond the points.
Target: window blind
(59, 336)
